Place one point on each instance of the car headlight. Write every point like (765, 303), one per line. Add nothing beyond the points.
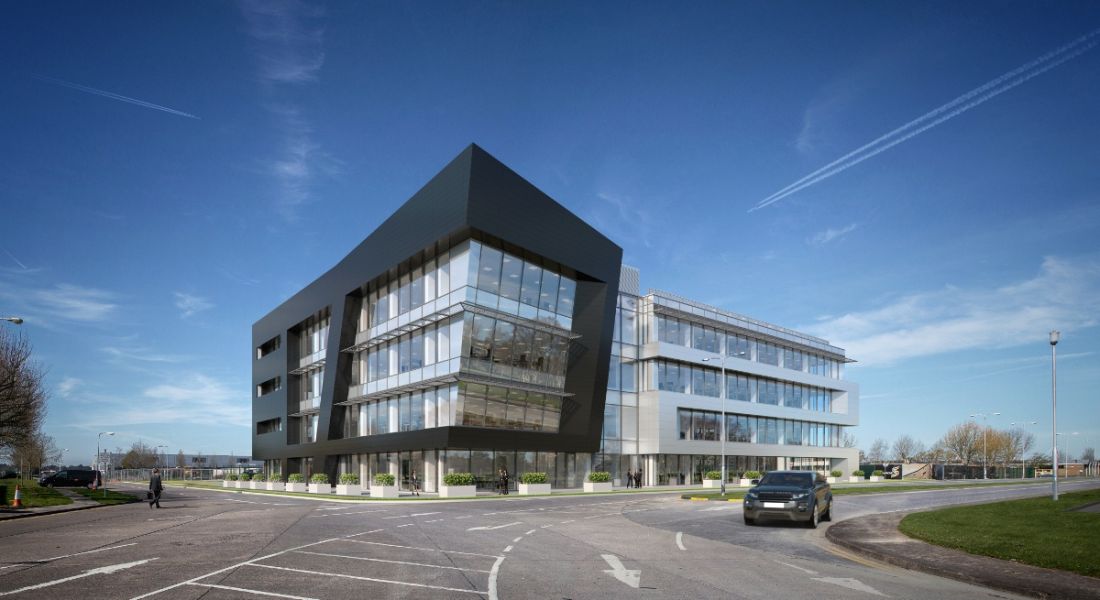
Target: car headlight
(750, 496)
(801, 496)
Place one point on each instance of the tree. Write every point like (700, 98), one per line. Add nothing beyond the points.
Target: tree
(22, 392)
(140, 456)
(964, 440)
(35, 450)
(181, 462)
(877, 452)
(847, 440)
(906, 448)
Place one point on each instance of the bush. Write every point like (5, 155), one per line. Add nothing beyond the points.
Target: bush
(533, 478)
(295, 478)
(232, 478)
(877, 473)
(836, 472)
(384, 479)
(275, 478)
(349, 479)
(599, 477)
(858, 473)
(458, 479)
(258, 477)
(752, 475)
(319, 478)
(712, 475)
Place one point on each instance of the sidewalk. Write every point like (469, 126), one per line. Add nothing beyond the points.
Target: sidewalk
(877, 537)
(78, 503)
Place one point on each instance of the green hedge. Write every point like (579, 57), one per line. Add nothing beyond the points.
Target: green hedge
(858, 473)
(877, 473)
(295, 478)
(232, 477)
(599, 477)
(752, 475)
(712, 475)
(458, 479)
(530, 478)
(349, 479)
(836, 473)
(319, 478)
(384, 479)
(258, 477)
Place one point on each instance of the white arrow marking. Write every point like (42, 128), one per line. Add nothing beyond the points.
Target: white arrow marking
(631, 577)
(97, 571)
(680, 540)
(487, 528)
(806, 571)
(852, 584)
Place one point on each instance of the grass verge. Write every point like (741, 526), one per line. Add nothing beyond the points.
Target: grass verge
(34, 495)
(112, 496)
(1034, 531)
(856, 489)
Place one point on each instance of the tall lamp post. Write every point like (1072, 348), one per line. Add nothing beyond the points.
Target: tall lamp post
(1054, 335)
(1023, 458)
(985, 444)
(99, 457)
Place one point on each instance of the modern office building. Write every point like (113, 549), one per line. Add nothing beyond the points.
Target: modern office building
(483, 326)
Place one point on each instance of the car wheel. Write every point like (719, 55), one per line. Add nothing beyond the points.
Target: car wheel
(750, 522)
(828, 514)
(812, 523)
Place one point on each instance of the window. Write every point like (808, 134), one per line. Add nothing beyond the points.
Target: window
(269, 426)
(488, 277)
(268, 347)
(511, 277)
(767, 353)
(532, 283)
(271, 385)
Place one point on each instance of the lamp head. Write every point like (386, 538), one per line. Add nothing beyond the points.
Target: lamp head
(15, 320)
(1054, 336)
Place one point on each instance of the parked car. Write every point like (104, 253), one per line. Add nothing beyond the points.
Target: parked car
(790, 495)
(69, 478)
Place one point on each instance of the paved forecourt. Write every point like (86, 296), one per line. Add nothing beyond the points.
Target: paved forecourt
(217, 545)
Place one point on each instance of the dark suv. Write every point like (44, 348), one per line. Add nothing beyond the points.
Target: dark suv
(69, 478)
(790, 495)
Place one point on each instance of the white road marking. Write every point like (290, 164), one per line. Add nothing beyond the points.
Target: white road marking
(405, 525)
(423, 514)
(516, 541)
(465, 517)
(488, 528)
(508, 548)
(547, 526)
(493, 578)
(530, 532)
(569, 521)
(416, 548)
(631, 577)
(360, 578)
(358, 512)
(87, 552)
(257, 592)
(852, 584)
(241, 564)
(97, 571)
(806, 571)
(396, 562)
(434, 520)
(680, 540)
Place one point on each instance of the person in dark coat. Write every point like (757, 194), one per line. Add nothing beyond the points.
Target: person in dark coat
(638, 478)
(629, 478)
(155, 488)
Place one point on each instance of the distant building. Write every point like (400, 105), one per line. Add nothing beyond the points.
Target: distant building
(484, 326)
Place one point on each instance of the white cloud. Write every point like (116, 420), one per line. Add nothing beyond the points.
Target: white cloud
(67, 385)
(824, 237)
(143, 355)
(1064, 295)
(190, 304)
(66, 302)
(192, 399)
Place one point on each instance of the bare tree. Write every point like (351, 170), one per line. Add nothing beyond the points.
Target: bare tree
(906, 448)
(847, 440)
(877, 452)
(181, 462)
(36, 450)
(140, 456)
(964, 440)
(22, 392)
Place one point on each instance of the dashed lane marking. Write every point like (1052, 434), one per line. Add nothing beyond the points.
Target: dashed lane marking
(361, 578)
(516, 541)
(530, 532)
(358, 512)
(798, 568)
(405, 525)
(107, 570)
(680, 540)
(416, 548)
(508, 548)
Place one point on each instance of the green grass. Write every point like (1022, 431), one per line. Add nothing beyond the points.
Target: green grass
(1035, 531)
(854, 489)
(34, 495)
(113, 497)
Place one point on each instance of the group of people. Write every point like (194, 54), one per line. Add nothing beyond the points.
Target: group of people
(634, 478)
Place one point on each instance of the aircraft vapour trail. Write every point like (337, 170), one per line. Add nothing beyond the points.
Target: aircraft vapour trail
(1014, 78)
(114, 96)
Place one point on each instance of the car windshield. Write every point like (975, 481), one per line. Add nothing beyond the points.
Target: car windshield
(799, 479)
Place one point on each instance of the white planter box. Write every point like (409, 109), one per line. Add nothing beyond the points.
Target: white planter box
(591, 486)
(275, 486)
(240, 485)
(295, 487)
(830, 479)
(712, 483)
(225, 483)
(351, 489)
(257, 485)
(457, 491)
(320, 488)
(876, 478)
(527, 489)
(744, 482)
(384, 491)
(855, 479)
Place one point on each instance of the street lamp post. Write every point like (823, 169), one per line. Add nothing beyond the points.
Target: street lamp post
(985, 444)
(99, 457)
(1054, 336)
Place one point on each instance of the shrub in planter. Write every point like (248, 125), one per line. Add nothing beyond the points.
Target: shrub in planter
(318, 484)
(258, 477)
(319, 478)
(349, 479)
(458, 484)
(384, 486)
(712, 479)
(598, 481)
(712, 475)
(385, 479)
(748, 476)
(275, 483)
(858, 473)
(232, 478)
(295, 483)
(257, 482)
(349, 485)
(295, 478)
(534, 483)
(836, 472)
(877, 473)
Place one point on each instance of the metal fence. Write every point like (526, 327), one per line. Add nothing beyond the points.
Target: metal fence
(179, 474)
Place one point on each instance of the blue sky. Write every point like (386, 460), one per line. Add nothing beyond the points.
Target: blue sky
(170, 173)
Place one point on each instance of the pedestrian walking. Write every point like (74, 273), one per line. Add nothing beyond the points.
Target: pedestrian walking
(638, 478)
(504, 481)
(629, 478)
(155, 488)
(414, 482)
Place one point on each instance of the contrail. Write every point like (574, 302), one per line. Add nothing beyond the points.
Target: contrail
(983, 93)
(114, 96)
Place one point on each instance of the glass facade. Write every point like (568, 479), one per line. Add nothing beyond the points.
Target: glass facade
(671, 376)
(703, 425)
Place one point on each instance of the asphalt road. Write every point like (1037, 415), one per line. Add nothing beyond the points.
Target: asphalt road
(219, 545)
